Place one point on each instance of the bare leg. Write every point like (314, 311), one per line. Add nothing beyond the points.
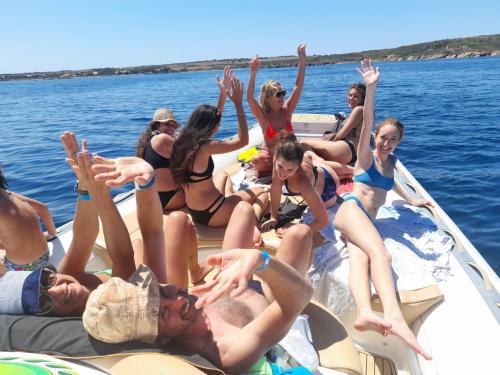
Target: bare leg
(296, 248)
(337, 150)
(150, 218)
(359, 283)
(251, 196)
(138, 252)
(223, 183)
(182, 251)
(177, 201)
(239, 231)
(342, 170)
(359, 230)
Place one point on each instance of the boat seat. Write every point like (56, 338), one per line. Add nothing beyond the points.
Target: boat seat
(146, 363)
(208, 237)
(413, 303)
(331, 340)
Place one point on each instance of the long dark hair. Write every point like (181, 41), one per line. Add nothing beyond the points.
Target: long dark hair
(198, 130)
(145, 137)
(3, 181)
(289, 148)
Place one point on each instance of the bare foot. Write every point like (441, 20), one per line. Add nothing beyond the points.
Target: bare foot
(198, 273)
(401, 329)
(368, 320)
(257, 238)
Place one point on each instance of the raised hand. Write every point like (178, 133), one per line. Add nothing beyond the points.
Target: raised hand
(269, 224)
(370, 75)
(83, 169)
(418, 202)
(237, 266)
(301, 51)
(254, 64)
(236, 94)
(120, 171)
(72, 148)
(225, 83)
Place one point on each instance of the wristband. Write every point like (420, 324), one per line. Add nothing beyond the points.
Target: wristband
(83, 195)
(144, 187)
(266, 257)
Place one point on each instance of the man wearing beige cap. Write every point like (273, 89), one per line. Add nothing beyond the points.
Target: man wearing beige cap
(226, 320)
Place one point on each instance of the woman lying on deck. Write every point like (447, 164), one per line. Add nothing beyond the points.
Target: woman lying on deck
(273, 109)
(342, 146)
(368, 257)
(192, 164)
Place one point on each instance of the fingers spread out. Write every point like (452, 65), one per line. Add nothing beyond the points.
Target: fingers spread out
(105, 176)
(101, 160)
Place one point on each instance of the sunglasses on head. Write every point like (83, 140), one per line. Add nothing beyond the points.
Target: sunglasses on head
(48, 279)
(279, 94)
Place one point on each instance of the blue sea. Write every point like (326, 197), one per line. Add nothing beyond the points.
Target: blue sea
(450, 107)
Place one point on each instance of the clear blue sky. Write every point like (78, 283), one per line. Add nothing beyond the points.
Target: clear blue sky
(46, 35)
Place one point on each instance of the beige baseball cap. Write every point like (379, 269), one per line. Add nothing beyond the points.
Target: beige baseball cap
(120, 311)
(164, 115)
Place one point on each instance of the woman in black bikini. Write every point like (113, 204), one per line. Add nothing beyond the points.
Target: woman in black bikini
(155, 146)
(342, 146)
(192, 166)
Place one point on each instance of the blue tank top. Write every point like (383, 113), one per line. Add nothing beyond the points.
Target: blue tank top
(372, 177)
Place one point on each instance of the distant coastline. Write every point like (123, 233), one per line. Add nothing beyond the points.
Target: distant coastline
(485, 45)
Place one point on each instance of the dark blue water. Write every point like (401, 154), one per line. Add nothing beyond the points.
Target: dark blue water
(451, 109)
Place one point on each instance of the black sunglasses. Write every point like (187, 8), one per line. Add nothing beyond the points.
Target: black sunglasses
(279, 94)
(48, 279)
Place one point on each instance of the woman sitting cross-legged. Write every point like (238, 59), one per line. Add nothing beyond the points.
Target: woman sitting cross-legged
(316, 182)
(192, 165)
(272, 111)
(368, 257)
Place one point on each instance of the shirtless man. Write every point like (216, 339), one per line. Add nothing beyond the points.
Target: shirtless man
(20, 233)
(224, 321)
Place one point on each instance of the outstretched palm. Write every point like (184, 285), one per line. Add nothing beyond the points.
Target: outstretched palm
(237, 266)
(120, 171)
(370, 75)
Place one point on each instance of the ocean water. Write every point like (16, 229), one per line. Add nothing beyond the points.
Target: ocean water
(450, 107)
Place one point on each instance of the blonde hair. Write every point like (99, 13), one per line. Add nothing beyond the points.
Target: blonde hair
(392, 121)
(268, 89)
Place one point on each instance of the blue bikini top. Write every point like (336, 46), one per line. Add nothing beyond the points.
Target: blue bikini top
(372, 177)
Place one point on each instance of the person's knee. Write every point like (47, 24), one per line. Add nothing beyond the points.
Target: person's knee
(178, 219)
(244, 209)
(300, 233)
(359, 258)
(383, 256)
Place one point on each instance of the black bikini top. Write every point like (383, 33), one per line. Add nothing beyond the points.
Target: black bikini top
(291, 193)
(154, 158)
(202, 176)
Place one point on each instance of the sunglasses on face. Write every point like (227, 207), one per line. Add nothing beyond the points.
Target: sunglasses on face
(279, 94)
(48, 279)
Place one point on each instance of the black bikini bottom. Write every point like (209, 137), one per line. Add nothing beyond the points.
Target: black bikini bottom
(204, 216)
(166, 196)
(353, 151)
